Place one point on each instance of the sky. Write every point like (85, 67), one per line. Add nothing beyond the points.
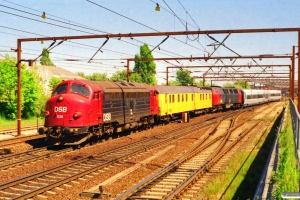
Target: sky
(22, 19)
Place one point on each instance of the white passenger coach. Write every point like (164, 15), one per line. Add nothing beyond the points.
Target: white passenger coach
(254, 97)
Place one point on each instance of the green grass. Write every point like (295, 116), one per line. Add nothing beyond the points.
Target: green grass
(8, 124)
(286, 179)
(243, 171)
(229, 177)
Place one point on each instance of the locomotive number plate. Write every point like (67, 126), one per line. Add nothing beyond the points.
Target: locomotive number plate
(106, 116)
(60, 116)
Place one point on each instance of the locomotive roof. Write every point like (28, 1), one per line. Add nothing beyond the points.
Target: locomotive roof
(108, 86)
(166, 89)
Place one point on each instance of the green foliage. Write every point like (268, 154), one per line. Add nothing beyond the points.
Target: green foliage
(119, 76)
(122, 76)
(45, 59)
(206, 84)
(81, 74)
(146, 69)
(174, 83)
(135, 77)
(32, 121)
(286, 179)
(31, 91)
(228, 85)
(94, 77)
(54, 82)
(184, 77)
(241, 84)
(97, 77)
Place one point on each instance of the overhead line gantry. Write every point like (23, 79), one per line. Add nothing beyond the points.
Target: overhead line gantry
(131, 35)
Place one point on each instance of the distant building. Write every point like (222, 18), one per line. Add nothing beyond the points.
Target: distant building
(46, 72)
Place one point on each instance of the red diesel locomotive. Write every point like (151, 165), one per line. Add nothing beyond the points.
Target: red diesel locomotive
(79, 108)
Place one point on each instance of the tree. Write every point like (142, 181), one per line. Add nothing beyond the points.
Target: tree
(81, 74)
(206, 84)
(94, 77)
(45, 59)
(174, 83)
(31, 90)
(241, 84)
(119, 76)
(184, 77)
(54, 82)
(145, 68)
(229, 85)
(97, 77)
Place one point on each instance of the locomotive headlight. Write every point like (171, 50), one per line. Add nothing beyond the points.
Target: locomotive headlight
(47, 113)
(77, 115)
(60, 98)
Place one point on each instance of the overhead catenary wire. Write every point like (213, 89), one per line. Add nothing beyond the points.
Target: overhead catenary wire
(181, 21)
(38, 21)
(68, 23)
(37, 15)
(139, 23)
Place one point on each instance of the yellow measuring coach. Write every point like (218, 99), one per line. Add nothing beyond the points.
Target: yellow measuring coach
(174, 100)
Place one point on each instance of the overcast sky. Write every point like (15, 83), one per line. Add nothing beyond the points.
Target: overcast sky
(22, 19)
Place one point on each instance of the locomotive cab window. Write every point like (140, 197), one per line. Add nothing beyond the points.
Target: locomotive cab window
(60, 89)
(96, 95)
(79, 89)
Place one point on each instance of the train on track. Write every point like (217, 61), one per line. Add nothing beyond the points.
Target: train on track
(81, 109)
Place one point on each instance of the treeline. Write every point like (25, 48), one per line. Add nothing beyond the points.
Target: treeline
(32, 97)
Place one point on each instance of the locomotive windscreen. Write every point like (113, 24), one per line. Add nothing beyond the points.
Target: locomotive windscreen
(79, 89)
(60, 89)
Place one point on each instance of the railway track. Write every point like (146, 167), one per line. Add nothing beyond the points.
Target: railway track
(14, 131)
(40, 182)
(13, 160)
(188, 173)
(174, 180)
(21, 139)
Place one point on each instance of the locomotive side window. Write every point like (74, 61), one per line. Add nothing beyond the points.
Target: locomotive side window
(79, 89)
(60, 89)
(186, 97)
(178, 97)
(173, 99)
(96, 95)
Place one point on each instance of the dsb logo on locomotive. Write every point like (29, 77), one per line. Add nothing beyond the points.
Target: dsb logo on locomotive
(60, 109)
